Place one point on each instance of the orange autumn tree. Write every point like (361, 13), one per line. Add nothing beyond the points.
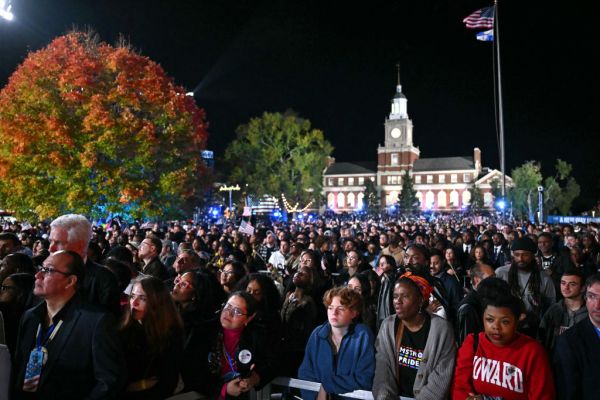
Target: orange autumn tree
(91, 128)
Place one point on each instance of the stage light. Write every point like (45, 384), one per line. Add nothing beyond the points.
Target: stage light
(5, 10)
(501, 204)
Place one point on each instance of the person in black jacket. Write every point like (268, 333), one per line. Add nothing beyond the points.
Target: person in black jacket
(99, 285)
(152, 338)
(15, 298)
(386, 268)
(149, 254)
(77, 340)
(577, 354)
(470, 310)
(233, 353)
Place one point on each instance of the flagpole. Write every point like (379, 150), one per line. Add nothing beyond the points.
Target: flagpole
(500, 122)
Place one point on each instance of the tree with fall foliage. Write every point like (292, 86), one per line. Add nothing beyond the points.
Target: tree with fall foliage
(91, 128)
(279, 153)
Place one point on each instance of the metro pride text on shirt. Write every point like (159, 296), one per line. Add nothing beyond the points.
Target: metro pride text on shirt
(408, 357)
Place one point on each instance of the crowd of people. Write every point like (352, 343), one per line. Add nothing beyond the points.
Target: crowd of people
(422, 309)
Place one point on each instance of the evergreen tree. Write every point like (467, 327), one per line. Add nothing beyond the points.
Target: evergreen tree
(407, 199)
(371, 199)
(476, 202)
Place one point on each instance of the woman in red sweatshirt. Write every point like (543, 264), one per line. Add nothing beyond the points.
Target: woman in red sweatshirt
(500, 362)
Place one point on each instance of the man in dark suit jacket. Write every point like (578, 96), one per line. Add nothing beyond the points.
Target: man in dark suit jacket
(83, 358)
(99, 285)
(149, 252)
(501, 253)
(577, 353)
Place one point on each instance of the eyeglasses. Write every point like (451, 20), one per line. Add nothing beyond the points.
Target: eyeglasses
(233, 311)
(50, 270)
(592, 297)
(6, 287)
(227, 273)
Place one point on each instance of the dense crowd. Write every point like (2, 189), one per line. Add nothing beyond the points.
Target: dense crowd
(425, 309)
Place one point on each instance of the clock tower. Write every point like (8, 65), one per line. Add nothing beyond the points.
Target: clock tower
(398, 152)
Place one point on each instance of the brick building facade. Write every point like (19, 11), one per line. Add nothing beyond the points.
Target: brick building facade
(442, 184)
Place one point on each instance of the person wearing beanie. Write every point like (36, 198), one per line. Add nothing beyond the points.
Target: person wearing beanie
(529, 283)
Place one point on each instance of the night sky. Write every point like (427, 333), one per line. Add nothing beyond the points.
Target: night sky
(335, 64)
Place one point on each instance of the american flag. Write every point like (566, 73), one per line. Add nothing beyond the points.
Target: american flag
(480, 19)
(246, 227)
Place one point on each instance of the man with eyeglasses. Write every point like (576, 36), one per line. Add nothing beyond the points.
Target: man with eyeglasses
(186, 261)
(149, 253)
(67, 348)
(577, 356)
(99, 285)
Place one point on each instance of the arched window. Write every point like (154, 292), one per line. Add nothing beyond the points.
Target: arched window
(454, 198)
(487, 198)
(341, 200)
(420, 198)
(429, 200)
(331, 200)
(392, 198)
(351, 200)
(466, 197)
(441, 199)
(360, 202)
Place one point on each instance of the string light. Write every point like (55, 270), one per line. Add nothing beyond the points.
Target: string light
(294, 209)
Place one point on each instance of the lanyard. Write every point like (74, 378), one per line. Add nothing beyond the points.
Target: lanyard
(52, 331)
(229, 360)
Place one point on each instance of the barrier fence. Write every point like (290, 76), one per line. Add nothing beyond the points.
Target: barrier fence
(286, 383)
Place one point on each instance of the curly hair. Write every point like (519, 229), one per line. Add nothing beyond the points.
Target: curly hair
(348, 298)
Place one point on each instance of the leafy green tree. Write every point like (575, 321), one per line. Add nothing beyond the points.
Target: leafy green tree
(371, 198)
(91, 128)
(526, 179)
(407, 199)
(561, 189)
(279, 153)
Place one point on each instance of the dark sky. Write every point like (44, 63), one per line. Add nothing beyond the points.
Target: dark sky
(334, 64)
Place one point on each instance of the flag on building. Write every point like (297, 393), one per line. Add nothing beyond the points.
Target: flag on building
(246, 227)
(486, 36)
(480, 19)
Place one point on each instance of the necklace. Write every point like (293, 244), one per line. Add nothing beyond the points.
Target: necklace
(336, 342)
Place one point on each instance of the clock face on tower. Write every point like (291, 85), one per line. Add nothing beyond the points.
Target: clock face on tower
(395, 133)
